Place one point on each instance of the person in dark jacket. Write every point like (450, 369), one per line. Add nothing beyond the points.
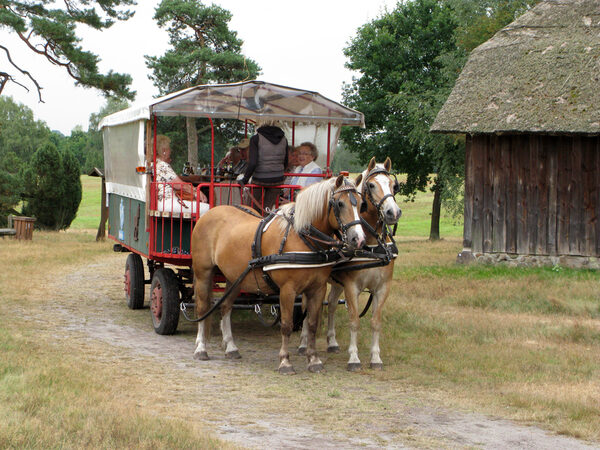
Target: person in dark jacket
(267, 159)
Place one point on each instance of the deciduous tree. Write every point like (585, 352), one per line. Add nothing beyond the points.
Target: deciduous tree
(408, 61)
(402, 85)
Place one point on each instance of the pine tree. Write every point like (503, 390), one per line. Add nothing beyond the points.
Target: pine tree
(204, 50)
(52, 34)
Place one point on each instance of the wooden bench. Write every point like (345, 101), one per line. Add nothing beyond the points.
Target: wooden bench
(21, 227)
(7, 232)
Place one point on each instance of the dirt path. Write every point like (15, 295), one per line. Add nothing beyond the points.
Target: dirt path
(246, 401)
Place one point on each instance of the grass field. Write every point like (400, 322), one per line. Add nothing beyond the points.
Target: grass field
(414, 222)
(517, 343)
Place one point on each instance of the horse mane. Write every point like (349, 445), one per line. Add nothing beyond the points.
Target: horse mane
(310, 204)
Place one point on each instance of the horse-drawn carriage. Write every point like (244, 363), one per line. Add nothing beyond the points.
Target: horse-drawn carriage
(164, 232)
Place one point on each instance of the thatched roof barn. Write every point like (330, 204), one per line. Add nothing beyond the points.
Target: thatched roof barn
(529, 101)
(540, 74)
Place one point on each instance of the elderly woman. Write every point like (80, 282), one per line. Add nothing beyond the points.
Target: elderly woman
(307, 153)
(170, 185)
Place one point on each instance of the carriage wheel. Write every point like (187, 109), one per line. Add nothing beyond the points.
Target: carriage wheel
(134, 281)
(164, 301)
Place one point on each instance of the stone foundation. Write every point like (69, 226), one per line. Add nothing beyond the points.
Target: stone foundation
(514, 260)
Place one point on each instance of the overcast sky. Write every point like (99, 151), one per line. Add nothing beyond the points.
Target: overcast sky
(297, 44)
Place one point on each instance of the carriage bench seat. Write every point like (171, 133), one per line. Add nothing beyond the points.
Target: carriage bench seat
(174, 215)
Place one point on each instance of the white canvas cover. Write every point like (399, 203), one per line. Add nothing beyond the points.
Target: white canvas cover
(255, 101)
(123, 152)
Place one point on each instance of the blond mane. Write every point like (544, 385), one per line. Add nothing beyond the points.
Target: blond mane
(310, 204)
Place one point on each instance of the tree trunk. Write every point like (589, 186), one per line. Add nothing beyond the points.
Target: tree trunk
(192, 141)
(434, 231)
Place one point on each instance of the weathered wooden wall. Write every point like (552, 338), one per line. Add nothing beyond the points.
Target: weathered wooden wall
(532, 195)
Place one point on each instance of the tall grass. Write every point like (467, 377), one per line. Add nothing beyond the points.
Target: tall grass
(88, 214)
(519, 343)
(52, 393)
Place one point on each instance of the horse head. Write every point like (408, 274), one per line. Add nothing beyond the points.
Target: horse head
(330, 206)
(343, 212)
(378, 187)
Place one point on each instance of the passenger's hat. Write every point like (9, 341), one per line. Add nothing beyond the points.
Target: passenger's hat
(244, 143)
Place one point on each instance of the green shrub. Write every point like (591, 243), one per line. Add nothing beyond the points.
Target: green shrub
(52, 188)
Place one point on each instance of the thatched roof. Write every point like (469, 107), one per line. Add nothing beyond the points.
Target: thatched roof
(540, 74)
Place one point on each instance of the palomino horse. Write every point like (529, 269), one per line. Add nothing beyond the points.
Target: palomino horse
(377, 187)
(225, 235)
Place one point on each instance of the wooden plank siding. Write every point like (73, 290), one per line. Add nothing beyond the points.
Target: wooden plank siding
(532, 195)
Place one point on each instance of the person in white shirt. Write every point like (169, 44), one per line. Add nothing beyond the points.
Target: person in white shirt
(307, 153)
(171, 188)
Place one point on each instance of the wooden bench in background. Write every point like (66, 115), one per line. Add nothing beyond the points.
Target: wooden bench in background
(20, 227)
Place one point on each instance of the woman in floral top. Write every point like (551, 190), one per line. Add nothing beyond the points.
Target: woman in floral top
(165, 175)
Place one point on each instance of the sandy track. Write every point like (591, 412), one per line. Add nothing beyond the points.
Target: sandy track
(246, 401)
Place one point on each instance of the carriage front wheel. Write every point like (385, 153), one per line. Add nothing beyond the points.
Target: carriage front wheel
(134, 281)
(164, 301)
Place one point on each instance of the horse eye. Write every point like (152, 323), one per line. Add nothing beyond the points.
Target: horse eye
(372, 185)
(340, 204)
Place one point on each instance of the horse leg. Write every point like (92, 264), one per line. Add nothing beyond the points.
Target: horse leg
(332, 302)
(203, 298)
(379, 298)
(352, 294)
(314, 305)
(231, 350)
(287, 296)
(304, 333)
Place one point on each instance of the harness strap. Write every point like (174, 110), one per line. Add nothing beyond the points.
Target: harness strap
(257, 252)
(248, 210)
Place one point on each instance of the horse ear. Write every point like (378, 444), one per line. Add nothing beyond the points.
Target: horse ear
(358, 179)
(388, 164)
(371, 164)
(339, 181)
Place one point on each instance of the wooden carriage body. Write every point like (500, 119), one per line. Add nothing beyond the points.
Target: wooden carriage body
(137, 221)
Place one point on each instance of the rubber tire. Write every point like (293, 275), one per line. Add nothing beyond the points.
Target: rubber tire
(169, 318)
(134, 264)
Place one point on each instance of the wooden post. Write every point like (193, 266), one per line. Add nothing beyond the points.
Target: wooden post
(101, 234)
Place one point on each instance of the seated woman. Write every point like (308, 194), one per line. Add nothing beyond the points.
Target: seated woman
(307, 153)
(171, 189)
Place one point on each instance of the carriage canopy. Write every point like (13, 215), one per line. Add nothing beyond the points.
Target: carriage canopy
(252, 100)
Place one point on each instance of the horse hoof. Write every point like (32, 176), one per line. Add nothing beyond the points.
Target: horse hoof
(316, 368)
(201, 356)
(302, 351)
(376, 366)
(233, 355)
(287, 370)
(334, 349)
(354, 367)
